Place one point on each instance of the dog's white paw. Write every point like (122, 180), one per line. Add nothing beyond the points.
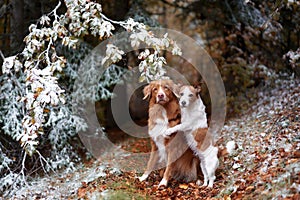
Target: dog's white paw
(143, 177)
(168, 132)
(211, 182)
(166, 136)
(163, 182)
(204, 183)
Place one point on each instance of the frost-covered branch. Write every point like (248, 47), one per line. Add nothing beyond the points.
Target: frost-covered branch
(32, 96)
(24, 168)
(41, 63)
(36, 85)
(152, 65)
(42, 159)
(1, 54)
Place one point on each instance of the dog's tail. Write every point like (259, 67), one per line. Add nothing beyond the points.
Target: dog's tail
(229, 149)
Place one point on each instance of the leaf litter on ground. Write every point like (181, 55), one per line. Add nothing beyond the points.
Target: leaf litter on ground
(263, 161)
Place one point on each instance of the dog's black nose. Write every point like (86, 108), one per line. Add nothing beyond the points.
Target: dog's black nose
(183, 103)
(160, 96)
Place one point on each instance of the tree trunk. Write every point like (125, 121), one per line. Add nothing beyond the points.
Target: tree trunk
(17, 26)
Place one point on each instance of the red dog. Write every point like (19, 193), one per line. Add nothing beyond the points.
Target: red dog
(164, 112)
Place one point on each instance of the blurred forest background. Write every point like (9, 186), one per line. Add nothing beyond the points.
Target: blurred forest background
(251, 42)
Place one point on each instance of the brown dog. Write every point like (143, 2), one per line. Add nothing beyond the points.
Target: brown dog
(164, 112)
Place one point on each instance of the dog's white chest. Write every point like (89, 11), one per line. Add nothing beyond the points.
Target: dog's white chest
(194, 117)
(160, 126)
(156, 133)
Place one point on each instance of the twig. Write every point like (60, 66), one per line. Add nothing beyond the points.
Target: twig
(1, 54)
(113, 21)
(47, 52)
(276, 9)
(231, 12)
(55, 9)
(43, 159)
(24, 168)
(11, 186)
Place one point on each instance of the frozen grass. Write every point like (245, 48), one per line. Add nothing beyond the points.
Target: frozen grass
(65, 184)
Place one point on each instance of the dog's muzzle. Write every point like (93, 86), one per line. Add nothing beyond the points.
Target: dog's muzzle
(161, 97)
(183, 103)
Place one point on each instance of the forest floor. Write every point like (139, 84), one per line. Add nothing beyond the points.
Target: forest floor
(265, 163)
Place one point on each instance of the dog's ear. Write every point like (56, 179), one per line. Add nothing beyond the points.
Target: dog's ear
(176, 89)
(147, 92)
(198, 89)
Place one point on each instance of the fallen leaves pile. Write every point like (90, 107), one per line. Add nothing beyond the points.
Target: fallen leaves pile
(127, 186)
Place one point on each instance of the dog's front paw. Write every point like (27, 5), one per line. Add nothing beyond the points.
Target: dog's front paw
(210, 185)
(168, 132)
(163, 182)
(143, 177)
(204, 184)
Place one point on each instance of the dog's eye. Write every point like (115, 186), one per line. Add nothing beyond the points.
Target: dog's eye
(181, 94)
(166, 87)
(190, 95)
(154, 89)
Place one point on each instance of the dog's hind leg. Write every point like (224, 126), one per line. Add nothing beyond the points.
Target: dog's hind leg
(211, 166)
(204, 172)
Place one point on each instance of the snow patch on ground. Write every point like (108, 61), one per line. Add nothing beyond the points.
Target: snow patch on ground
(230, 146)
(65, 184)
